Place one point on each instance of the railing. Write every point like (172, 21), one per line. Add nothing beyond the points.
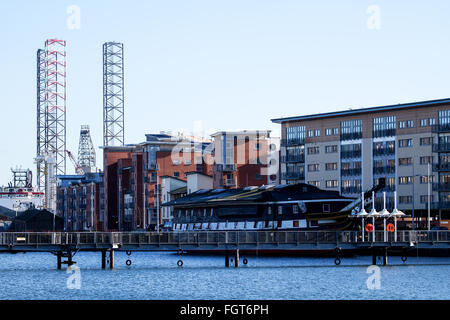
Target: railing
(383, 170)
(441, 147)
(351, 136)
(292, 142)
(441, 186)
(440, 128)
(293, 158)
(350, 154)
(351, 172)
(218, 237)
(383, 152)
(292, 175)
(441, 167)
(226, 167)
(383, 133)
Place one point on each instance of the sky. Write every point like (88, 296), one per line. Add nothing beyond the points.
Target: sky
(229, 65)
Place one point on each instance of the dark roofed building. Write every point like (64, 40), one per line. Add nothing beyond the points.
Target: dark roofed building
(34, 220)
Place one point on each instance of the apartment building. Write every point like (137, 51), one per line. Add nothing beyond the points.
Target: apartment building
(80, 201)
(245, 158)
(348, 151)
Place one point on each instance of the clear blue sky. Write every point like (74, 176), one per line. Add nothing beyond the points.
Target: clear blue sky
(230, 64)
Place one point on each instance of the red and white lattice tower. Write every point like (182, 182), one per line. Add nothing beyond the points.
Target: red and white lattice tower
(55, 110)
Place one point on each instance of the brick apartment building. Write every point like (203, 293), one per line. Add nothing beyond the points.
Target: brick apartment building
(80, 201)
(245, 158)
(350, 150)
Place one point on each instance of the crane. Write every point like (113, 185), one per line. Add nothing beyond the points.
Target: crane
(78, 168)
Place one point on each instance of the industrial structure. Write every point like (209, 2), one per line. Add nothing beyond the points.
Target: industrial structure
(86, 151)
(51, 117)
(113, 94)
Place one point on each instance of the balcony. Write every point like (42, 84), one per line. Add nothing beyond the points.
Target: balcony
(441, 187)
(383, 133)
(441, 167)
(351, 190)
(350, 154)
(293, 158)
(351, 136)
(440, 128)
(351, 172)
(292, 142)
(441, 147)
(292, 176)
(229, 183)
(384, 170)
(440, 205)
(226, 167)
(383, 152)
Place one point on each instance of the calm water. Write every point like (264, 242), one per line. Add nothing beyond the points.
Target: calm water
(156, 276)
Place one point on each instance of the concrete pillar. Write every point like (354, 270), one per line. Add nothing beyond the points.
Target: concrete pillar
(236, 258)
(111, 259)
(58, 259)
(103, 259)
(227, 258)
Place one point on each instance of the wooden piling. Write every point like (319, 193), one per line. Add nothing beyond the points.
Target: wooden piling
(385, 257)
(58, 259)
(69, 259)
(103, 259)
(374, 257)
(227, 259)
(236, 258)
(111, 259)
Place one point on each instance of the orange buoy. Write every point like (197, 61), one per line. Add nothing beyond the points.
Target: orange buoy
(368, 227)
(390, 227)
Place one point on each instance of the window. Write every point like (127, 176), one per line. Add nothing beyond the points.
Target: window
(326, 207)
(295, 209)
(313, 167)
(410, 124)
(317, 133)
(310, 134)
(295, 135)
(258, 176)
(405, 143)
(405, 161)
(384, 127)
(426, 160)
(423, 122)
(335, 131)
(424, 198)
(432, 121)
(331, 166)
(331, 149)
(331, 184)
(176, 162)
(405, 180)
(280, 210)
(314, 183)
(176, 174)
(269, 210)
(426, 141)
(313, 150)
(328, 132)
(351, 129)
(401, 124)
(424, 179)
(405, 199)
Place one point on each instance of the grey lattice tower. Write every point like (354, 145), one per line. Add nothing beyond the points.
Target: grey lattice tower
(113, 94)
(86, 151)
(55, 102)
(41, 131)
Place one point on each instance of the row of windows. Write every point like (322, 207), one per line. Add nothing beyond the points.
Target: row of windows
(409, 199)
(409, 179)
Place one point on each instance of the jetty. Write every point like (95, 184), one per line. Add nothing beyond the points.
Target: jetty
(64, 245)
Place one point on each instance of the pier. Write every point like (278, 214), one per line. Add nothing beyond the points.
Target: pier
(64, 245)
